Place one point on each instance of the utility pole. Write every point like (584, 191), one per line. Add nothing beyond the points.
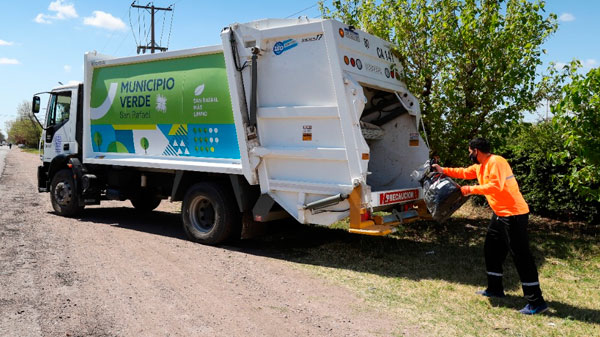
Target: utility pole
(152, 9)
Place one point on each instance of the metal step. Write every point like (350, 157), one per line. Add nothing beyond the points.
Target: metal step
(375, 230)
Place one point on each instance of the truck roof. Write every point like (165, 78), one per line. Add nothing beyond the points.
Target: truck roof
(277, 23)
(67, 86)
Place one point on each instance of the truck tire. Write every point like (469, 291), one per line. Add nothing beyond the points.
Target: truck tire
(210, 214)
(145, 201)
(64, 197)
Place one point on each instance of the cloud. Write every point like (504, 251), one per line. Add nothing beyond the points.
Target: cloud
(41, 18)
(62, 11)
(67, 68)
(559, 65)
(586, 64)
(589, 63)
(4, 60)
(5, 43)
(566, 17)
(104, 20)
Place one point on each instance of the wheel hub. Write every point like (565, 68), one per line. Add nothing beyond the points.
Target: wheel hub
(202, 214)
(63, 193)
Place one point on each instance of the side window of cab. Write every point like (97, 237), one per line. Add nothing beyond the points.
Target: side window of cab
(59, 108)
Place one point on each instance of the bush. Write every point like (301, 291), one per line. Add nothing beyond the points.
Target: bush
(544, 183)
(577, 115)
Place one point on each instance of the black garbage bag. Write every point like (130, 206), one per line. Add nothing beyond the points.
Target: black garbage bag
(440, 193)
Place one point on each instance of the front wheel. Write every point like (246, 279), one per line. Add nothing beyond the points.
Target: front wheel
(210, 215)
(64, 197)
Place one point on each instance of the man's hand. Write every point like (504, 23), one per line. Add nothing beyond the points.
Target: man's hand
(465, 190)
(438, 168)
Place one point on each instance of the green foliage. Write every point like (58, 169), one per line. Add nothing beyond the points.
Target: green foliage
(24, 130)
(2, 137)
(544, 182)
(577, 118)
(471, 63)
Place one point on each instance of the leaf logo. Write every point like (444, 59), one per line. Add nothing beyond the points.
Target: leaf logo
(199, 90)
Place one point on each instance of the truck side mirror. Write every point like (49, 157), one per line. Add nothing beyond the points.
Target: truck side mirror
(35, 105)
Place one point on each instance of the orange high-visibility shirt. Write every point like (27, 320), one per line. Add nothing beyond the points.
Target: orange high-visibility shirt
(496, 182)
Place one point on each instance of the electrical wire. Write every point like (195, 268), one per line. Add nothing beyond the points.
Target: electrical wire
(121, 44)
(305, 9)
(139, 27)
(131, 25)
(171, 25)
(111, 36)
(162, 29)
(145, 33)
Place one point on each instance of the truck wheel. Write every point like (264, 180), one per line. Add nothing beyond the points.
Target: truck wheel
(145, 201)
(210, 214)
(65, 199)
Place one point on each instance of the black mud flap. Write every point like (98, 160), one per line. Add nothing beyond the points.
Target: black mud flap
(42, 177)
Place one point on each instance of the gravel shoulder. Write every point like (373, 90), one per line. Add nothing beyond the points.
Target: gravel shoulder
(112, 272)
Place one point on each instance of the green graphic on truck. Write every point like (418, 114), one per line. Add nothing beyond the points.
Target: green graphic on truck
(173, 107)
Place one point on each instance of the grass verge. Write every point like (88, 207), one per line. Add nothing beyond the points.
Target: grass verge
(424, 277)
(30, 150)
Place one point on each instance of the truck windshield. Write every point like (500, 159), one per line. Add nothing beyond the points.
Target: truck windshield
(59, 108)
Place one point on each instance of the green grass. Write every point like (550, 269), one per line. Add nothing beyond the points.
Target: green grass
(426, 275)
(30, 150)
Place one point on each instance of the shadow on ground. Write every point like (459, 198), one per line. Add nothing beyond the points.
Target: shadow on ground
(557, 309)
(156, 222)
(425, 250)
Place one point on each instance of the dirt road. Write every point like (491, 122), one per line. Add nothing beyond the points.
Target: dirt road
(114, 273)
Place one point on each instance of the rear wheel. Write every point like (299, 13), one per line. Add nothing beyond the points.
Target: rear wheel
(210, 215)
(64, 197)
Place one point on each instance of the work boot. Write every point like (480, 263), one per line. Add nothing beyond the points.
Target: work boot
(534, 309)
(489, 293)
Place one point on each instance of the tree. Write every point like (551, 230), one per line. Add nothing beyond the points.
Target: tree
(471, 63)
(145, 144)
(24, 130)
(2, 137)
(577, 116)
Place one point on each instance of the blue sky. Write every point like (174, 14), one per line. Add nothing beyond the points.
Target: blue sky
(43, 42)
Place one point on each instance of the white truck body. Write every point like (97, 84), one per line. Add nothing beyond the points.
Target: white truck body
(331, 115)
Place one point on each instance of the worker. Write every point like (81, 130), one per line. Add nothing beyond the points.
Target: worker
(507, 231)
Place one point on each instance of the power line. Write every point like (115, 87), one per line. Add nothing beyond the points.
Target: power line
(162, 29)
(171, 25)
(131, 25)
(305, 9)
(121, 44)
(112, 34)
(139, 26)
(152, 9)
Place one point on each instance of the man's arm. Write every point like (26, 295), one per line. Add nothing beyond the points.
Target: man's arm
(495, 181)
(458, 172)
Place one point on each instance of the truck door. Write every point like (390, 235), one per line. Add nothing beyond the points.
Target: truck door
(59, 136)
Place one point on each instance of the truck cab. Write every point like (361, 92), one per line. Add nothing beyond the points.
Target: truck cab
(61, 135)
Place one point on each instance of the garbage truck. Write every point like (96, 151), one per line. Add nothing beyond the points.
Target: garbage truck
(306, 118)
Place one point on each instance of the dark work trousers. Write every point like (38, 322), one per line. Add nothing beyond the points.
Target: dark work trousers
(509, 234)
